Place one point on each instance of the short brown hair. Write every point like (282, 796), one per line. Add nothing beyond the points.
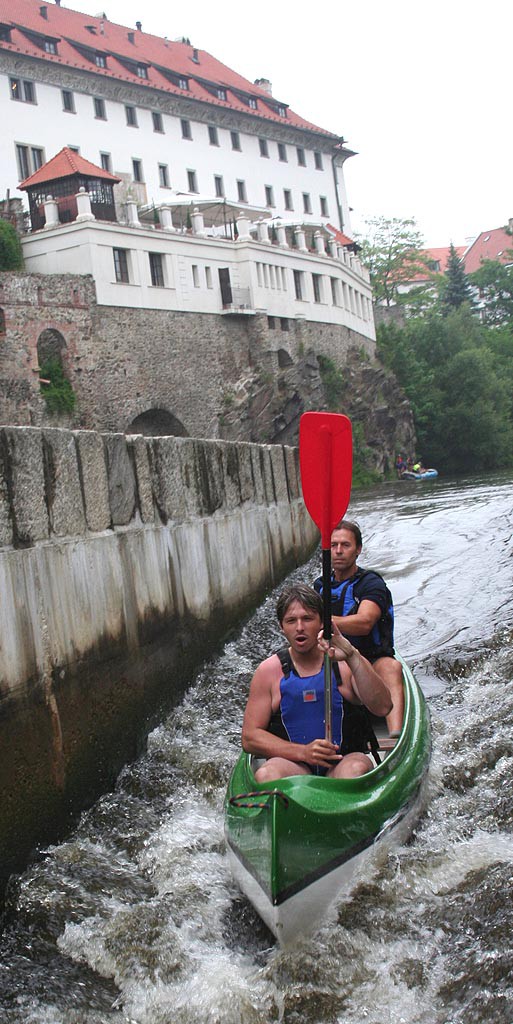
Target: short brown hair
(305, 596)
(346, 524)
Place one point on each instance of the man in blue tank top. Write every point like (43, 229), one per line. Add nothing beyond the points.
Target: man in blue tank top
(284, 717)
(362, 609)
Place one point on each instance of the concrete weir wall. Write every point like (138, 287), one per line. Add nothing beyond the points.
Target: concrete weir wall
(122, 562)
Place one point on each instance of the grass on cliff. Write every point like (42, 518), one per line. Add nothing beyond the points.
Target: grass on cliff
(58, 394)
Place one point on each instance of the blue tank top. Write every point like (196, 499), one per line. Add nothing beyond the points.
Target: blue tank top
(302, 707)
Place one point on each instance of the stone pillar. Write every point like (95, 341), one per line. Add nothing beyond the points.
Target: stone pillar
(319, 243)
(243, 223)
(84, 211)
(263, 231)
(166, 218)
(198, 224)
(301, 240)
(131, 213)
(282, 235)
(51, 212)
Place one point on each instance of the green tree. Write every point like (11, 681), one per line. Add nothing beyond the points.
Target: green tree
(391, 251)
(456, 285)
(11, 253)
(495, 283)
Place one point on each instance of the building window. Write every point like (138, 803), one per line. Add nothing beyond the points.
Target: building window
(37, 156)
(137, 170)
(100, 60)
(282, 152)
(158, 125)
(287, 199)
(192, 181)
(183, 83)
(50, 46)
(282, 111)
(318, 160)
(301, 156)
(307, 205)
(208, 277)
(186, 129)
(29, 159)
(106, 162)
(334, 291)
(195, 276)
(235, 137)
(213, 137)
(221, 94)
(156, 269)
(242, 195)
(218, 185)
(68, 101)
(252, 103)
(131, 117)
(284, 324)
(324, 206)
(163, 176)
(269, 195)
(99, 108)
(264, 148)
(121, 265)
(271, 323)
(142, 71)
(22, 90)
(298, 283)
(317, 287)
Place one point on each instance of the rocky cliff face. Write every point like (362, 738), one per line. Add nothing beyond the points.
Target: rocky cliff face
(266, 407)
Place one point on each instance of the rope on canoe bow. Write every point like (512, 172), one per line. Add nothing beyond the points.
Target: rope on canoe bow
(236, 801)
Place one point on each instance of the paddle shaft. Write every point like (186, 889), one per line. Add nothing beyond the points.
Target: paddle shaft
(326, 483)
(325, 449)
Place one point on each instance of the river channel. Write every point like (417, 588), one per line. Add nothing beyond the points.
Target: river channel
(134, 919)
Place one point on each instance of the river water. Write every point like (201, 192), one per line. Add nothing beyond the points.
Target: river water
(134, 919)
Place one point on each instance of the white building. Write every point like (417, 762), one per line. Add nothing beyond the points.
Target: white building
(174, 124)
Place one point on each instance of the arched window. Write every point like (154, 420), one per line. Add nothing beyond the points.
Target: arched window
(50, 346)
(157, 423)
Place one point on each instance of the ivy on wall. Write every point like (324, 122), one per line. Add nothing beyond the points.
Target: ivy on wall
(56, 388)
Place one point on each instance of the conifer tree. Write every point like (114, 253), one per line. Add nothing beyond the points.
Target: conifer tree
(457, 286)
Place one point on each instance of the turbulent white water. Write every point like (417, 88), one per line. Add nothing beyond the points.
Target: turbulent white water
(135, 919)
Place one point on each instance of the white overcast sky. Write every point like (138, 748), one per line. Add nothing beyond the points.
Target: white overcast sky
(422, 92)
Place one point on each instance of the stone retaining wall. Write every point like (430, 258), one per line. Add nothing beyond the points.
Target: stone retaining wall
(123, 562)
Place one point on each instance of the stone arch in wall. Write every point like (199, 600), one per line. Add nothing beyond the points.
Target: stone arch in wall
(50, 345)
(157, 423)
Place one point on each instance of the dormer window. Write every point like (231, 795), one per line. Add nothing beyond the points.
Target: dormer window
(221, 94)
(50, 46)
(142, 71)
(5, 34)
(282, 111)
(183, 83)
(252, 103)
(100, 60)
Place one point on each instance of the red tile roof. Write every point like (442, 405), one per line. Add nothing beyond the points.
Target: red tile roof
(79, 37)
(489, 245)
(341, 238)
(66, 164)
(438, 257)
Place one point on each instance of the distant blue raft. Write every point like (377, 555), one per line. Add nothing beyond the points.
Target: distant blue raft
(427, 474)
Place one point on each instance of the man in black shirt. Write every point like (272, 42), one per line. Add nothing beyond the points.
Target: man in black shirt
(363, 611)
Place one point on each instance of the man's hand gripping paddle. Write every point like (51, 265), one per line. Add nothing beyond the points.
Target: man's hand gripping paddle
(326, 462)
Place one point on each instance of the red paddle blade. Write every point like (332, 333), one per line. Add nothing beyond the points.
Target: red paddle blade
(326, 463)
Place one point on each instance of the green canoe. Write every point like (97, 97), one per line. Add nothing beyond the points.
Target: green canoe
(295, 846)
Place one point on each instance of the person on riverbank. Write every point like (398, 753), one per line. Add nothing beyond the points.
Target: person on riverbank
(362, 609)
(284, 716)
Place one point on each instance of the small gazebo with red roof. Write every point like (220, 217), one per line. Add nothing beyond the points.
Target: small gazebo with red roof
(61, 178)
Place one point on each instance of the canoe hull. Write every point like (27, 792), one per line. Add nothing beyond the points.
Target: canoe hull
(296, 845)
(428, 474)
